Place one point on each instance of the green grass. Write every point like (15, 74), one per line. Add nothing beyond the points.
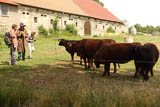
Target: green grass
(51, 80)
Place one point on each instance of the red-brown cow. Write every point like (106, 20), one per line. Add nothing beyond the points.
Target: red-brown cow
(87, 49)
(114, 53)
(146, 57)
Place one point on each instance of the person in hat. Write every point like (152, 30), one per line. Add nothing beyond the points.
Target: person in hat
(21, 36)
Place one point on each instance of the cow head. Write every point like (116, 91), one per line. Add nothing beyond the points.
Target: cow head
(61, 42)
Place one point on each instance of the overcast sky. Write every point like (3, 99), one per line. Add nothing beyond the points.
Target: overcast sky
(144, 12)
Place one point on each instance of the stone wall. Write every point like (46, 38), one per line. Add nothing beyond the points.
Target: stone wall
(34, 17)
(7, 21)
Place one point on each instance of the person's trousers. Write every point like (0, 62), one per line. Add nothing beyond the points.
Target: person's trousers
(31, 49)
(12, 56)
(21, 54)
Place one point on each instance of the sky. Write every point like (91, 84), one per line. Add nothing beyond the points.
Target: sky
(144, 12)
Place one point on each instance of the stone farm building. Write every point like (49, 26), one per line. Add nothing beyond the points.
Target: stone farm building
(88, 16)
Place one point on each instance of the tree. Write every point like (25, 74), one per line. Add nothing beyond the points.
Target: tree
(138, 27)
(55, 25)
(110, 30)
(99, 2)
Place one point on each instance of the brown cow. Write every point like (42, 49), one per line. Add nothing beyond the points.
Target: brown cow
(114, 53)
(64, 42)
(87, 49)
(146, 57)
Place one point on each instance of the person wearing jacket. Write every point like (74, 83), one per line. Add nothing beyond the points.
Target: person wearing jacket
(21, 36)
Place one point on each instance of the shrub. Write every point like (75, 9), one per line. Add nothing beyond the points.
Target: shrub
(42, 31)
(71, 29)
(55, 25)
(51, 31)
(110, 30)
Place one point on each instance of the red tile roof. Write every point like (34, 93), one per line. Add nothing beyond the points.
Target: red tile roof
(8, 2)
(93, 9)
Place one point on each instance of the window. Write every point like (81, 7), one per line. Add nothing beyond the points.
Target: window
(76, 24)
(35, 20)
(45, 15)
(23, 12)
(41, 14)
(96, 26)
(4, 10)
(103, 27)
(51, 21)
(65, 22)
(27, 13)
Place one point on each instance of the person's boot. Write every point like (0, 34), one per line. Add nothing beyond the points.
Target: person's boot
(19, 56)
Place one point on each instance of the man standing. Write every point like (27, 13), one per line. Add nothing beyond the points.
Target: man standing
(13, 47)
(21, 36)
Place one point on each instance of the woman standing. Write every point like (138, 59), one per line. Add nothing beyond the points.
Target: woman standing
(30, 41)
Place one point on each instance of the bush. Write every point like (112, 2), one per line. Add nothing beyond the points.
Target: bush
(110, 30)
(51, 31)
(42, 31)
(71, 29)
(2, 35)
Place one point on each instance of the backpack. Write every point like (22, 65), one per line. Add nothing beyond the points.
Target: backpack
(7, 39)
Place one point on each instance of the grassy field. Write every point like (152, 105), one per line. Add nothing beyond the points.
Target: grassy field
(50, 79)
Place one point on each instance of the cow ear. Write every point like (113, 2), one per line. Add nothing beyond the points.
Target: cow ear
(59, 39)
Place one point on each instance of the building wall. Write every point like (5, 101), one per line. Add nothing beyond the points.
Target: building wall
(27, 15)
(7, 21)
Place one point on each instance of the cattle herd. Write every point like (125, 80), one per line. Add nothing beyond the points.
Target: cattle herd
(106, 51)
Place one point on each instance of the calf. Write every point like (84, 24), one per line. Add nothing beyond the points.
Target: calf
(146, 57)
(64, 43)
(114, 53)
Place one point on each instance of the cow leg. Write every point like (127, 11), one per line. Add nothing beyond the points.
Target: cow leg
(152, 72)
(89, 63)
(72, 56)
(85, 62)
(115, 68)
(137, 69)
(106, 69)
(146, 77)
(118, 65)
(80, 60)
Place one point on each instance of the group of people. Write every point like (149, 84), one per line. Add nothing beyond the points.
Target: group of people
(19, 37)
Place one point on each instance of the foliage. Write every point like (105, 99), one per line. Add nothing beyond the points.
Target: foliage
(147, 29)
(51, 31)
(55, 25)
(99, 2)
(2, 35)
(71, 29)
(42, 31)
(110, 30)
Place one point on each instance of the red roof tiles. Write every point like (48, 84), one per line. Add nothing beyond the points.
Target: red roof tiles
(93, 9)
(8, 2)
